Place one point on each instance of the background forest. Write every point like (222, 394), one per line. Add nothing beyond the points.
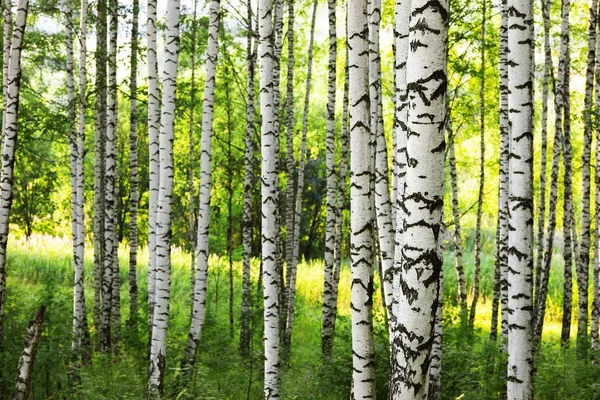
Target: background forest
(228, 361)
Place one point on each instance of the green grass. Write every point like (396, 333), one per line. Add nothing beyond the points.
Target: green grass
(40, 271)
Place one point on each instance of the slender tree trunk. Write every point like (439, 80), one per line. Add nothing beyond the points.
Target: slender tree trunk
(99, 161)
(596, 262)
(545, 6)
(520, 237)
(32, 339)
(270, 202)
(290, 161)
(77, 186)
(248, 183)
(7, 14)
(422, 198)
(199, 305)
(477, 266)
(191, 160)
(229, 205)
(291, 285)
(541, 294)
(154, 171)
(133, 170)
(383, 203)
(160, 320)
(332, 189)
(111, 260)
(401, 49)
(584, 250)
(458, 256)
(361, 254)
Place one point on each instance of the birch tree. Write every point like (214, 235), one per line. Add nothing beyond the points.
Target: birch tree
(11, 130)
(248, 183)
(154, 172)
(361, 256)
(199, 305)
(291, 285)
(112, 280)
(596, 260)
(133, 170)
(269, 200)
(7, 25)
(421, 264)
(99, 160)
(160, 319)
(520, 197)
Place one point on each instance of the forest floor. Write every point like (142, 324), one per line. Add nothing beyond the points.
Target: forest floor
(40, 272)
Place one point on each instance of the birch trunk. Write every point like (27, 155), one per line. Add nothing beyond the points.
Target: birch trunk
(520, 198)
(541, 294)
(477, 266)
(111, 242)
(596, 262)
(545, 6)
(32, 338)
(361, 254)
(199, 306)
(401, 47)
(133, 171)
(291, 285)
(11, 129)
(270, 201)
(154, 171)
(248, 183)
(383, 204)
(76, 180)
(435, 368)
(99, 161)
(160, 319)
(191, 160)
(422, 199)
(332, 211)
(7, 14)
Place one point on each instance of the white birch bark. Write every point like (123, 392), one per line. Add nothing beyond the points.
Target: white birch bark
(153, 133)
(133, 170)
(199, 305)
(248, 183)
(383, 204)
(32, 339)
(269, 201)
(422, 199)
(7, 24)
(361, 253)
(520, 237)
(11, 129)
(99, 159)
(291, 285)
(160, 319)
(596, 260)
(111, 260)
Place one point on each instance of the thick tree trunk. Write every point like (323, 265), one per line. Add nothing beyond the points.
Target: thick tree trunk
(435, 368)
(133, 171)
(477, 266)
(421, 264)
(154, 171)
(32, 338)
(248, 183)
(520, 237)
(160, 320)
(112, 277)
(361, 253)
(199, 305)
(270, 202)
(291, 284)
(99, 161)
